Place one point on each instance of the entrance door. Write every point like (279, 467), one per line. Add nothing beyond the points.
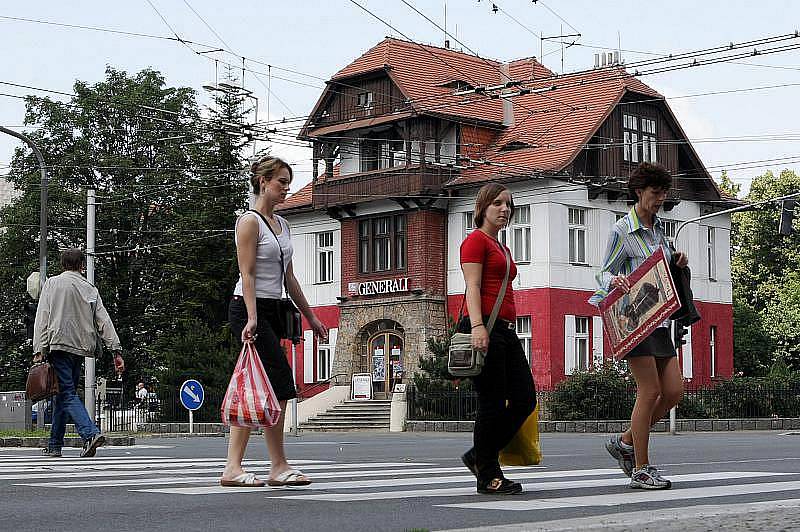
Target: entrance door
(386, 354)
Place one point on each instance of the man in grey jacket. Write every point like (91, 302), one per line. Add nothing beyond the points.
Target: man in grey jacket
(69, 316)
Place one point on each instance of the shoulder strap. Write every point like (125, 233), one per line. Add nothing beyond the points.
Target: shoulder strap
(499, 302)
(283, 267)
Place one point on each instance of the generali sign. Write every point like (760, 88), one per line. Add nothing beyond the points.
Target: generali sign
(381, 286)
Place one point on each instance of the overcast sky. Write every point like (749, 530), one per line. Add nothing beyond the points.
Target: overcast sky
(741, 131)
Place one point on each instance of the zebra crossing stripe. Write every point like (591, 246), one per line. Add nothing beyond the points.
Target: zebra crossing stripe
(529, 487)
(349, 484)
(632, 497)
(335, 471)
(312, 492)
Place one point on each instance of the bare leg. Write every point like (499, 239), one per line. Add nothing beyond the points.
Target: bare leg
(671, 386)
(645, 372)
(239, 436)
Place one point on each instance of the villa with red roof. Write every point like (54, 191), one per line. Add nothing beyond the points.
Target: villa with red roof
(405, 135)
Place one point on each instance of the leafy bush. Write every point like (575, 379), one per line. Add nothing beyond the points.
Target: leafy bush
(604, 393)
(693, 406)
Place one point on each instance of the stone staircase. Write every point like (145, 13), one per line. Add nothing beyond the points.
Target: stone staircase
(350, 416)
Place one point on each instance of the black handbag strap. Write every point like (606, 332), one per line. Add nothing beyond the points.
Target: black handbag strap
(271, 230)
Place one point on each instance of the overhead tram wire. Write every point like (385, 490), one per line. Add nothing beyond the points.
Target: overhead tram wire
(175, 39)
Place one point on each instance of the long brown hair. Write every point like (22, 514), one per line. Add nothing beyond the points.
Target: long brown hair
(486, 195)
(266, 167)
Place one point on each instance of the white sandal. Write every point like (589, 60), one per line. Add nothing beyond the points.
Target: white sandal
(290, 477)
(245, 480)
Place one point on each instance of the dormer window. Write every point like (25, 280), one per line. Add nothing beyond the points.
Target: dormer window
(515, 145)
(457, 85)
(639, 139)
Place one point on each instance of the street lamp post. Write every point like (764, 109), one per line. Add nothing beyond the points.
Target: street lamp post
(42, 204)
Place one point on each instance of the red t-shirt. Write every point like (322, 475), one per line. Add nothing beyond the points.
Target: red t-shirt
(480, 248)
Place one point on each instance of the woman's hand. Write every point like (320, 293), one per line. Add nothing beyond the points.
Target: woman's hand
(319, 329)
(480, 338)
(681, 259)
(249, 331)
(621, 282)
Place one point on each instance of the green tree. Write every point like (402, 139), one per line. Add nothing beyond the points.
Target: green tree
(168, 183)
(762, 270)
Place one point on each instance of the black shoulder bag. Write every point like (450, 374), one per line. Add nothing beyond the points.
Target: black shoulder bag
(291, 324)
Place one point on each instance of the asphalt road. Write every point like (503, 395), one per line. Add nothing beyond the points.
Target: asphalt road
(381, 481)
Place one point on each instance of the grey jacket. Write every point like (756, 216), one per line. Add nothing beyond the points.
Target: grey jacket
(64, 319)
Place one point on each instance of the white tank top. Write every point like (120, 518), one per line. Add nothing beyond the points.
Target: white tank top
(269, 281)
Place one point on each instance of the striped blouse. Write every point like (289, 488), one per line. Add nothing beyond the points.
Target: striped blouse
(629, 244)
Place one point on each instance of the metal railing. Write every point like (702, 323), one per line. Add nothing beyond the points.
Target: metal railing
(722, 401)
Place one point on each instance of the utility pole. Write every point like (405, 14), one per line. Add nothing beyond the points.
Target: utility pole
(90, 385)
(42, 204)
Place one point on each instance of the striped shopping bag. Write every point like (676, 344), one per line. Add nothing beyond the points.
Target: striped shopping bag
(250, 400)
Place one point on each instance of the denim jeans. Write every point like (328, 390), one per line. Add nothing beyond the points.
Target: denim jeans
(506, 397)
(67, 404)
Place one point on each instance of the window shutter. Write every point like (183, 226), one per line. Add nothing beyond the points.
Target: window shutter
(308, 356)
(332, 334)
(569, 344)
(597, 341)
(687, 354)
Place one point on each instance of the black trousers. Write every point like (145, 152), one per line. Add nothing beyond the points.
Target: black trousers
(506, 397)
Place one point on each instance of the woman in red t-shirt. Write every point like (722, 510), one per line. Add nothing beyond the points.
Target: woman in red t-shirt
(506, 392)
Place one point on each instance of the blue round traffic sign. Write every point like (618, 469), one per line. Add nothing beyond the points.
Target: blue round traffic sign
(191, 393)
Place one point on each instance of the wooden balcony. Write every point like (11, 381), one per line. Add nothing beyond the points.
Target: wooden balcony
(412, 180)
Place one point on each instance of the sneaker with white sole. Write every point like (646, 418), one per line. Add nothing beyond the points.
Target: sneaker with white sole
(622, 453)
(90, 446)
(51, 453)
(647, 477)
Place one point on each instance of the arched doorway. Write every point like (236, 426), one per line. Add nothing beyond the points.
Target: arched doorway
(382, 349)
(386, 349)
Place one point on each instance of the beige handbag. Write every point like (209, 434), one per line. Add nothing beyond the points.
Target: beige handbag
(463, 360)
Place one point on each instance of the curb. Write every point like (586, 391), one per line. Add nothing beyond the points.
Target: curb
(29, 441)
(611, 426)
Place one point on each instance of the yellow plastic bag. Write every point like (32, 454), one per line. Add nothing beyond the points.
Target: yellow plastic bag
(524, 448)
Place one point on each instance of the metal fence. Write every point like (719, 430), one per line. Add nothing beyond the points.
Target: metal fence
(723, 401)
(127, 413)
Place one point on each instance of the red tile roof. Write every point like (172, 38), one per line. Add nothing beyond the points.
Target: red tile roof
(554, 124)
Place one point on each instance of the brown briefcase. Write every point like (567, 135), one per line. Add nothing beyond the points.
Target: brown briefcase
(42, 382)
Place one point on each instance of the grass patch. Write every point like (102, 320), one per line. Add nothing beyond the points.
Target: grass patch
(39, 433)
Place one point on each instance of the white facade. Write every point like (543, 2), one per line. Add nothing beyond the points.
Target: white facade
(550, 266)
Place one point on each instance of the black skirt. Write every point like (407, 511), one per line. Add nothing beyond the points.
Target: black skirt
(658, 345)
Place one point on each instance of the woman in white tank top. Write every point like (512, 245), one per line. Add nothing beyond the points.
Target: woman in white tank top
(261, 238)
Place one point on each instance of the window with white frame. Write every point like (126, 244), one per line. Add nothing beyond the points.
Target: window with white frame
(469, 223)
(323, 362)
(649, 140)
(364, 100)
(524, 335)
(639, 131)
(324, 256)
(630, 132)
(712, 344)
(669, 227)
(577, 236)
(581, 343)
(521, 234)
(711, 255)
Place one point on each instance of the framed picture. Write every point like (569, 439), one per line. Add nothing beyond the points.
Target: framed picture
(630, 318)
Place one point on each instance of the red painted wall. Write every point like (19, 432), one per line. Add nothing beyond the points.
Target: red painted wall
(548, 306)
(329, 316)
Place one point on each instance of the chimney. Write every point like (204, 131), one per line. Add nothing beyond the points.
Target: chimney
(508, 106)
